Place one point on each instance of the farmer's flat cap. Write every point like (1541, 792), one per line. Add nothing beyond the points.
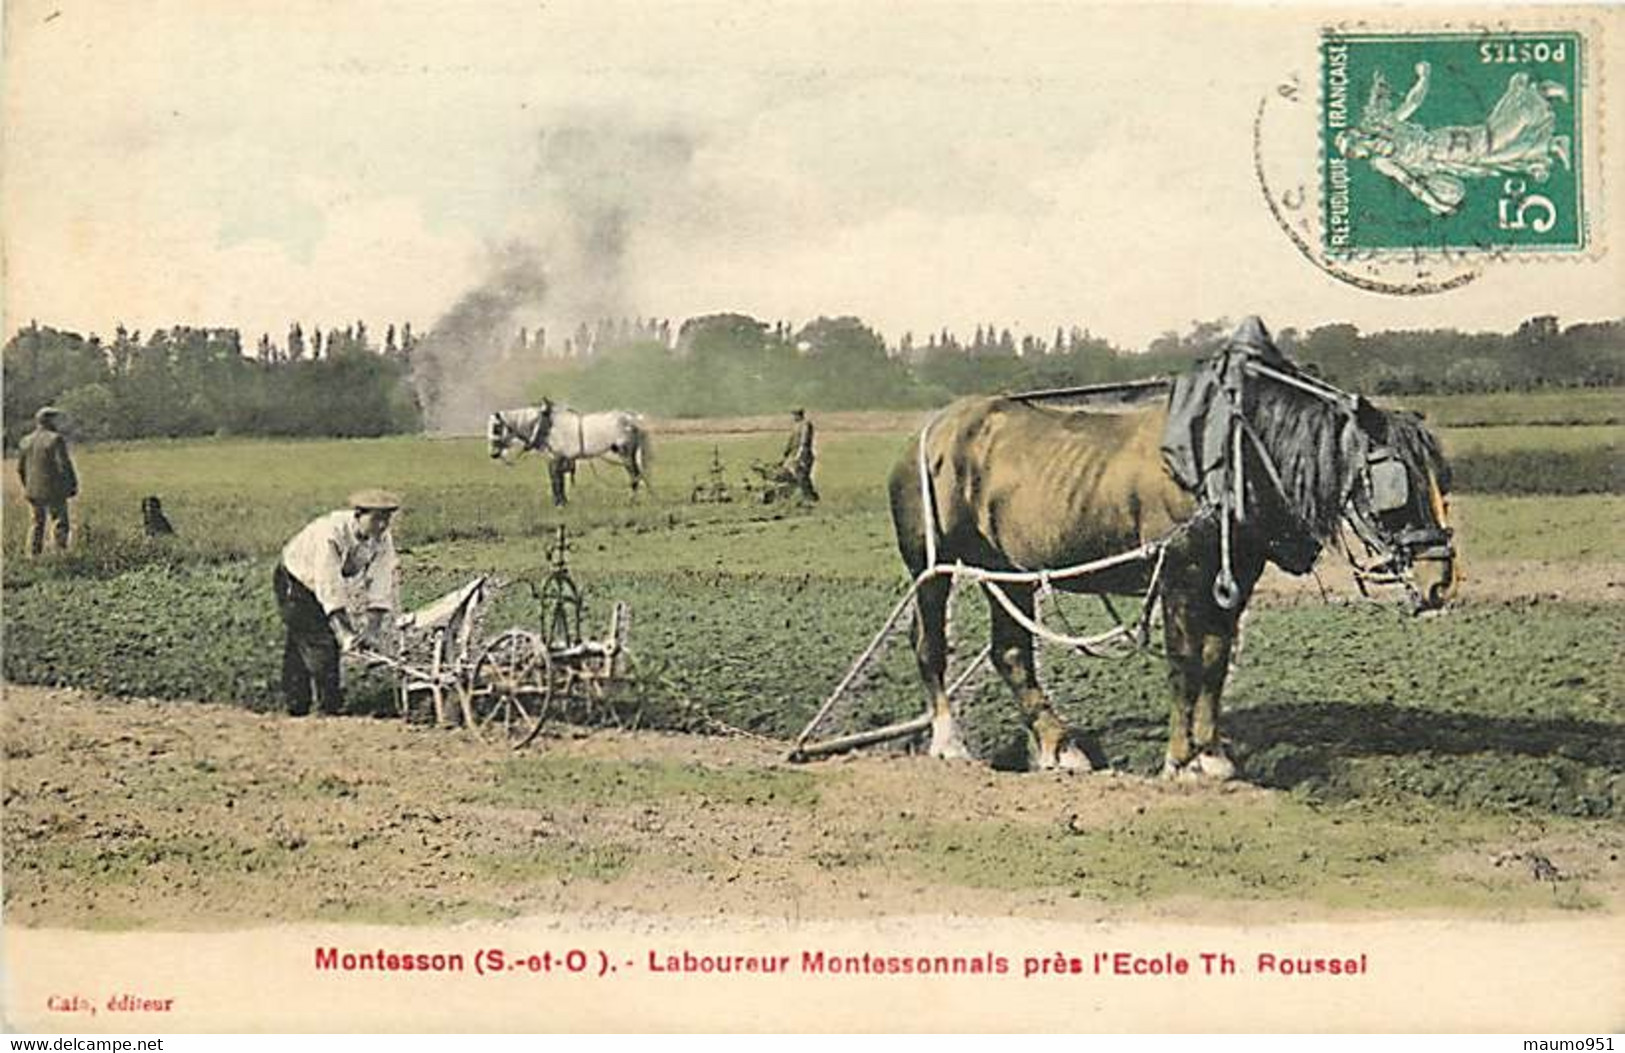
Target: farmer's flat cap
(374, 500)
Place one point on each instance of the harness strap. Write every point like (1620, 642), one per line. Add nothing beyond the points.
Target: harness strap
(1233, 494)
(527, 443)
(1225, 590)
(1153, 593)
(1318, 388)
(993, 579)
(1087, 644)
(1271, 471)
(1032, 577)
(928, 504)
(537, 441)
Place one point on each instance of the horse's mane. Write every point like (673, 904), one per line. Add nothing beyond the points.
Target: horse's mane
(1303, 435)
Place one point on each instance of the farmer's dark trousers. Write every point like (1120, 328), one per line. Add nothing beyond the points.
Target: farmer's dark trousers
(310, 655)
(803, 475)
(57, 511)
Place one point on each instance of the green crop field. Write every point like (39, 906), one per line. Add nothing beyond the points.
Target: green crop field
(1507, 438)
(1537, 458)
(1559, 406)
(241, 499)
(1582, 530)
(746, 614)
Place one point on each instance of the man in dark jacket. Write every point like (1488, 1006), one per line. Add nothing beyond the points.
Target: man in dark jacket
(48, 477)
(798, 455)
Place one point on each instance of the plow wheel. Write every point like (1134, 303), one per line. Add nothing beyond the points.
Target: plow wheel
(512, 688)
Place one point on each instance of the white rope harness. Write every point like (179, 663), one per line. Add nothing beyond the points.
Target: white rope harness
(990, 580)
(1119, 641)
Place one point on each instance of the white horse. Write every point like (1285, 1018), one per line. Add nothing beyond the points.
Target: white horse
(567, 436)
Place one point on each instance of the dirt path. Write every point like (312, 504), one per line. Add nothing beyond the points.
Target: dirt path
(179, 815)
(1514, 581)
(183, 866)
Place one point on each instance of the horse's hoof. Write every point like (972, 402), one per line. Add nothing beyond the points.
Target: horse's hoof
(948, 747)
(1071, 758)
(1215, 766)
(1189, 772)
(1203, 767)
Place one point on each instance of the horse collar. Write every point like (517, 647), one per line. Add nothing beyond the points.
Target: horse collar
(533, 441)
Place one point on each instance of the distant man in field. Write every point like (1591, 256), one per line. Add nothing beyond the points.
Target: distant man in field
(798, 455)
(49, 480)
(350, 551)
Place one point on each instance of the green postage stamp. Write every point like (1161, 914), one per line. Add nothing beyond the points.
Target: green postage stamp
(1452, 142)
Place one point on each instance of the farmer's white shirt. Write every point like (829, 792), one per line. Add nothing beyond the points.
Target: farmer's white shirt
(330, 557)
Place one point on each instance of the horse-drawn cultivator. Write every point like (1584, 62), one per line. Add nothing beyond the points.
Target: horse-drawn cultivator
(508, 686)
(769, 483)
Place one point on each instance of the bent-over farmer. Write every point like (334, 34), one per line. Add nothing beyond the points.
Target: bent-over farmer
(48, 478)
(798, 455)
(337, 554)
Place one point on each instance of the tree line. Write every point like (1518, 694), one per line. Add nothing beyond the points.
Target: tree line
(732, 363)
(186, 381)
(190, 381)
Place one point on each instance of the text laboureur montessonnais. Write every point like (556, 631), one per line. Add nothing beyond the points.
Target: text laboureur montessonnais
(687, 962)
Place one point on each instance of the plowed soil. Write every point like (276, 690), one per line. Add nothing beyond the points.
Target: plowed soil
(165, 815)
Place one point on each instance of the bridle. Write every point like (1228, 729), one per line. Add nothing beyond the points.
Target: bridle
(502, 430)
(1383, 487)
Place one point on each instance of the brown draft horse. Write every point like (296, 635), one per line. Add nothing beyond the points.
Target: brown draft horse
(1017, 486)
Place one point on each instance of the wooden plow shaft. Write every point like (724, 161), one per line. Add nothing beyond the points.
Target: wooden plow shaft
(802, 750)
(841, 744)
(854, 670)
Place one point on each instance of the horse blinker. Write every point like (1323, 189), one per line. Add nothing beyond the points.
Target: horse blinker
(1388, 480)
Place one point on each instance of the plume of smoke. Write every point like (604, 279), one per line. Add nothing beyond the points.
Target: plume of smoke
(602, 183)
(595, 183)
(456, 366)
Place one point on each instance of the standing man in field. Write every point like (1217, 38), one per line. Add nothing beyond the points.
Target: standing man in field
(798, 455)
(48, 478)
(343, 552)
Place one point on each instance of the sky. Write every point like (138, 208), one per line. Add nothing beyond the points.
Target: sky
(919, 165)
